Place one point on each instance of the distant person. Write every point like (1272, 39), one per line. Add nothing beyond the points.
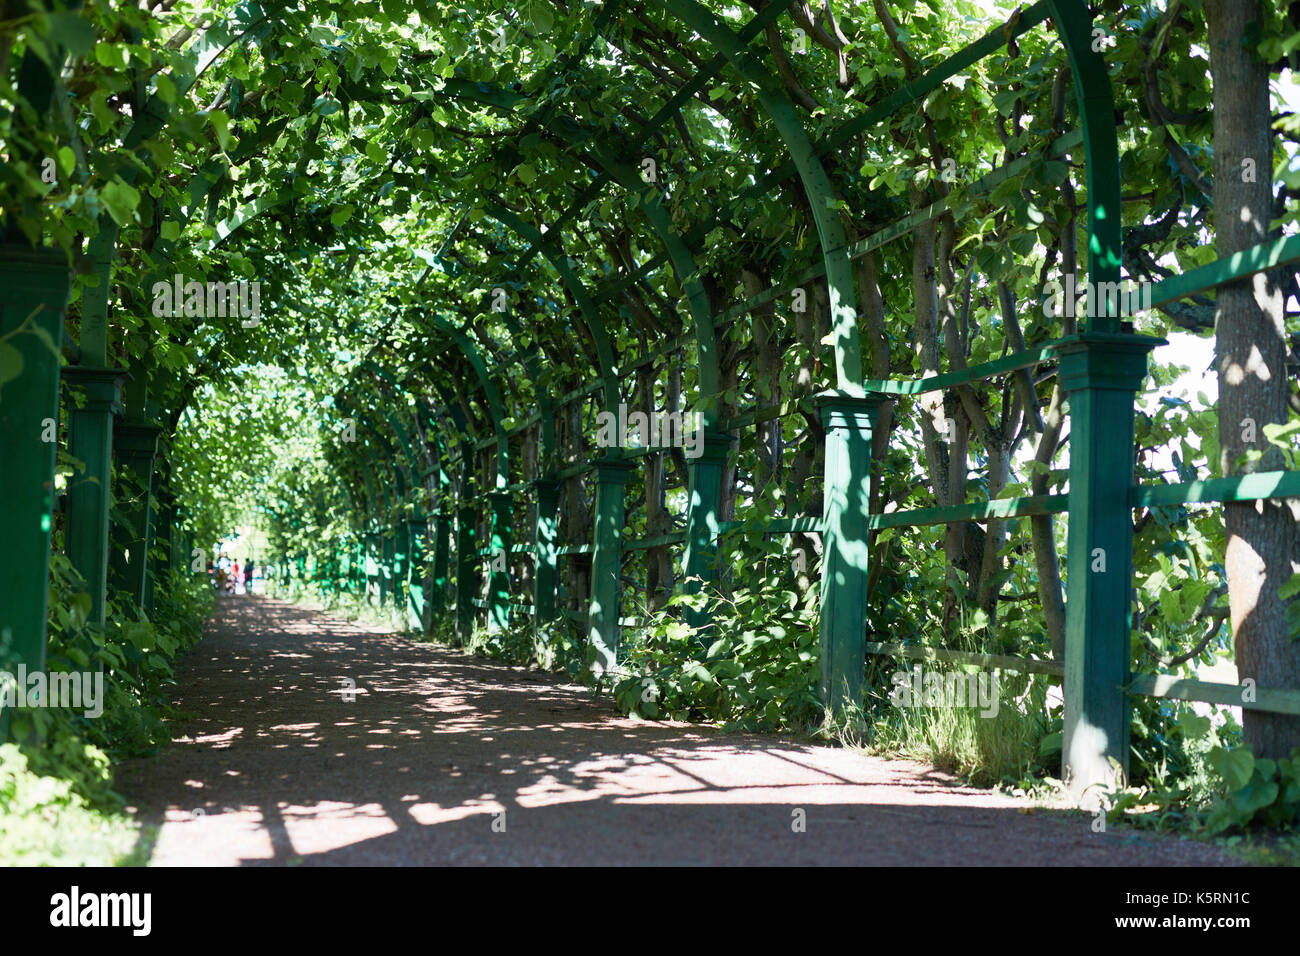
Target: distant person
(248, 576)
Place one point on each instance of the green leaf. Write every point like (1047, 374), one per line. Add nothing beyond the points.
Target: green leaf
(120, 199)
(542, 17)
(1234, 766)
(171, 231)
(221, 125)
(111, 55)
(76, 35)
(11, 363)
(67, 160)
(1193, 725)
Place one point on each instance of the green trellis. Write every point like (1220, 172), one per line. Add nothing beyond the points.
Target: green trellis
(439, 516)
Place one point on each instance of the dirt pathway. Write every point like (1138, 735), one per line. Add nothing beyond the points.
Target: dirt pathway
(440, 758)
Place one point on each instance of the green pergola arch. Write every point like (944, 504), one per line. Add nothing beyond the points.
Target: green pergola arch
(1092, 362)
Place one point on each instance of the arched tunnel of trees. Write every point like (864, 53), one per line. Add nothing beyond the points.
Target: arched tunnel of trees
(730, 357)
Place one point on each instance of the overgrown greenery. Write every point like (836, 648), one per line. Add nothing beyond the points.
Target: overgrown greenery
(57, 802)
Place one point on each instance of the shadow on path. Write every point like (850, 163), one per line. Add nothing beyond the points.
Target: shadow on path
(440, 758)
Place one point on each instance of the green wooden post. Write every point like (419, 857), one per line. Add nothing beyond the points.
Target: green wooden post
(387, 564)
(842, 619)
(699, 561)
(137, 447)
(89, 492)
(33, 293)
(502, 503)
(417, 598)
(466, 573)
(1101, 372)
(441, 548)
(606, 564)
(546, 538)
(372, 564)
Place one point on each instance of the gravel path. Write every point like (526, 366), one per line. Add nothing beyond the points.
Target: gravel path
(440, 758)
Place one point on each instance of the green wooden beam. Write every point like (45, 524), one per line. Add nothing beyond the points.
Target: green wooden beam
(1252, 487)
(1167, 686)
(1021, 665)
(1266, 255)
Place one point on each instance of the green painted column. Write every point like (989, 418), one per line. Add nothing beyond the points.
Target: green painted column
(417, 598)
(387, 565)
(699, 560)
(606, 564)
(466, 573)
(373, 550)
(441, 548)
(1101, 372)
(546, 541)
(90, 492)
(137, 447)
(33, 293)
(502, 504)
(842, 617)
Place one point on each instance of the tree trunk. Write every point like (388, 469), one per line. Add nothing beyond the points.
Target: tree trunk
(1250, 342)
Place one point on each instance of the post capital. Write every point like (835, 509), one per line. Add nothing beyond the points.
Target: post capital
(715, 445)
(849, 410)
(613, 471)
(1109, 360)
(102, 386)
(136, 440)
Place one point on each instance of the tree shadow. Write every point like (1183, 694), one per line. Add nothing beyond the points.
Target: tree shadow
(430, 757)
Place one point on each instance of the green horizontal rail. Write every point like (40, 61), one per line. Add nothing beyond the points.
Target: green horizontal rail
(976, 511)
(574, 471)
(513, 549)
(663, 539)
(642, 451)
(765, 414)
(1263, 484)
(1022, 665)
(480, 603)
(799, 525)
(1175, 688)
(933, 383)
(575, 549)
(1266, 255)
